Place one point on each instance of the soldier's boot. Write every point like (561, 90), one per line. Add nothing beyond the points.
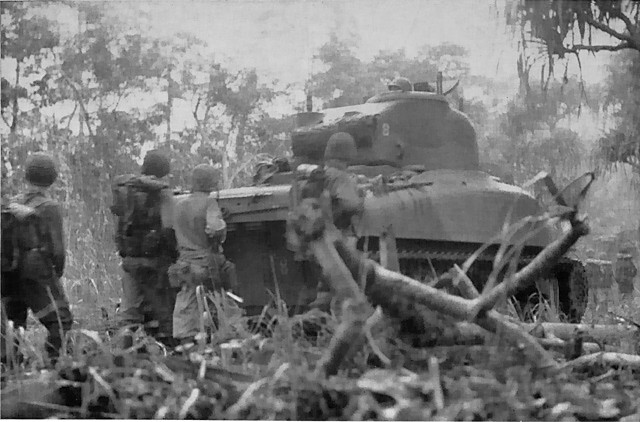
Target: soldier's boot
(229, 275)
(55, 341)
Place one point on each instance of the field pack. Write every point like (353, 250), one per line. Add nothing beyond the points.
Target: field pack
(137, 202)
(26, 242)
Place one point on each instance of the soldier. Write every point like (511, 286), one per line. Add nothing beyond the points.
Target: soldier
(200, 232)
(33, 261)
(347, 201)
(146, 243)
(400, 84)
(625, 273)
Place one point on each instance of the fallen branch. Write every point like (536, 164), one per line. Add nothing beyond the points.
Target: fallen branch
(604, 358)
(355, 308)
(543, 262)
(593, 333)
(396, 292)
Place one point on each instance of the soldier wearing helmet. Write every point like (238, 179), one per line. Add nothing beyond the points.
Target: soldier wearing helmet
(400, 84)
(347, 201)
(200, 232)
(146, 243)
(625, 272)
(31, 274)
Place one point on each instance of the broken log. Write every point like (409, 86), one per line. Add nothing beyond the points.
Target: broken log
(355, 308)
(593, 333)
(543, 262)
(604, 358)
(395, 292)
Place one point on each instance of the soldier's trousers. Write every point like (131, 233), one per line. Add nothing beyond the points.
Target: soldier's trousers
(147, 297)
(212, 271)
(48, 302)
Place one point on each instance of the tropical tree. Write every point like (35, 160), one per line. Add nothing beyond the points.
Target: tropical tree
(621, 143)
(553, 29)
(347, 80)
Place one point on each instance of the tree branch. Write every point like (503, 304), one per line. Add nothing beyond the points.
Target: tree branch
(595, 48)
(630, 26)
(79, 101)
(604, 28)
(6, 122)
(71, 116)
(14, 122)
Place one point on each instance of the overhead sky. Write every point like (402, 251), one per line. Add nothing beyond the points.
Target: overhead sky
(279, 38)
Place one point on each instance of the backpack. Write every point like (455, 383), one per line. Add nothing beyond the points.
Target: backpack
(10, 251)
(137, 202)
(24, 235)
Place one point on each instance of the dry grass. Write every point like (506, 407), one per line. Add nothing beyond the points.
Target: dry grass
(261, 367)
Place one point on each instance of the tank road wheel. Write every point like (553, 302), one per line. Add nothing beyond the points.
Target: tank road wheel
(574, 290)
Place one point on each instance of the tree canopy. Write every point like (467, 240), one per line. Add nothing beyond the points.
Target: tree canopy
(553, 29)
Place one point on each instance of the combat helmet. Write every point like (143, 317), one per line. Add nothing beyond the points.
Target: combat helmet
(341, 146)
(155, 164)
(204, 178)
(400, 84)
(41, 170)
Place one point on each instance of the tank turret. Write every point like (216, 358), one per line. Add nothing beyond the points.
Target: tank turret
(394, 128)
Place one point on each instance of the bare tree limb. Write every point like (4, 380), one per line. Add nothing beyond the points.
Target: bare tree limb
(80, 102)
(627, 22)
(605, 28)
(72, 115)
(595, 48)
(6, 122)
(14, 121)
(355, 308)
(541, 263)
(391, 290)
(604, 358)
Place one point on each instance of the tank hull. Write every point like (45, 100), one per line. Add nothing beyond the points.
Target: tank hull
(436, 217)
(440, 207)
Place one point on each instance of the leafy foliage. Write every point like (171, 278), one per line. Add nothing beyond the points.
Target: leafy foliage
(347, 80)
(622, 143)
(557, 28)
(570, 26)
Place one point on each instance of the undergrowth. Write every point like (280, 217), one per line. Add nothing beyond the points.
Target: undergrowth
(262, 367)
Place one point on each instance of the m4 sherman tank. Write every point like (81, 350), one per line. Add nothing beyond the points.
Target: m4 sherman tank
(418, 163)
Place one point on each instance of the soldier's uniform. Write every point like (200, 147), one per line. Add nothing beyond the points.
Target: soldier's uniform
(200, 232)
(625, 273)
(347, 201)
(147, 246)
(32, 280)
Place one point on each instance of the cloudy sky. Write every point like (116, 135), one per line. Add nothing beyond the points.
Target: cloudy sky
(280, 37)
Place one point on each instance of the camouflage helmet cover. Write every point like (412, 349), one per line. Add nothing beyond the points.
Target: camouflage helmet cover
(204, 178)
(341, 146)
(400, 84)
(155, 164)
(41, 170)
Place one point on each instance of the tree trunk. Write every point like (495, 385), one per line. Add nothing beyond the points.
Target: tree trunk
(169, 103)
(15, 110)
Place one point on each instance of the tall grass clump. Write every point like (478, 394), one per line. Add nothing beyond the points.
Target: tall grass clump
(92, 272)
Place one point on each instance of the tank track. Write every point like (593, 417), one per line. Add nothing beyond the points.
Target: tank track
(420, 263)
